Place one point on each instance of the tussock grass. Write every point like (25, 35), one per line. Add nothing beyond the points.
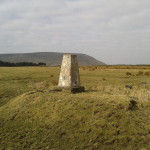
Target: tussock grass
(140, 73)
(147, 73)
(107, 116)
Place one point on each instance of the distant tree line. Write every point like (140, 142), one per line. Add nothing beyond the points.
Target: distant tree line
(20, 64)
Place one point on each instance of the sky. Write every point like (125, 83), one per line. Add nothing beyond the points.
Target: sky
(112, 31)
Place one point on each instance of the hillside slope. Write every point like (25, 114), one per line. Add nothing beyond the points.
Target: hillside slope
(50, 58)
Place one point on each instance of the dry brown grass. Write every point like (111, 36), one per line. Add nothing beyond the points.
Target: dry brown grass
(140, 73)
(147, 73)
(54, 82)
(128, 74)
(114, 67)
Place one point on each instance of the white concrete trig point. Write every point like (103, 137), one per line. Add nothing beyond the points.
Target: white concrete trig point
(69, 75)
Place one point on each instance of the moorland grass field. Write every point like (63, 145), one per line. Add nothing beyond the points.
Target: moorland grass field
(112, 114)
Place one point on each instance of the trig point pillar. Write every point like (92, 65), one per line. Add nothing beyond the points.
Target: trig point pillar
(69, 76)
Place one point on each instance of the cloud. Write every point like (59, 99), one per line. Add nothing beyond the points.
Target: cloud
(114, 31)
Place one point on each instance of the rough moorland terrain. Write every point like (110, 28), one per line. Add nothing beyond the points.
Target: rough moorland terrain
(112, 114)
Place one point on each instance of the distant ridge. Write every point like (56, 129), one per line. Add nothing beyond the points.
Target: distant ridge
(50, 58)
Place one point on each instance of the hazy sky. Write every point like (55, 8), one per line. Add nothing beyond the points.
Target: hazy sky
(113, 31)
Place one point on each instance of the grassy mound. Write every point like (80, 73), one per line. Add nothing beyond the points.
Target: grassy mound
(38, 120)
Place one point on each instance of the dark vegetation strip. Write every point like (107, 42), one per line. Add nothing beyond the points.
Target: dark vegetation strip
(19, 64)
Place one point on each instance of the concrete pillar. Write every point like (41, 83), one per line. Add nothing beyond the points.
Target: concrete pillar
(69, 76)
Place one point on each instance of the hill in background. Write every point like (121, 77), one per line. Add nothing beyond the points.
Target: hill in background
(50, 58)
